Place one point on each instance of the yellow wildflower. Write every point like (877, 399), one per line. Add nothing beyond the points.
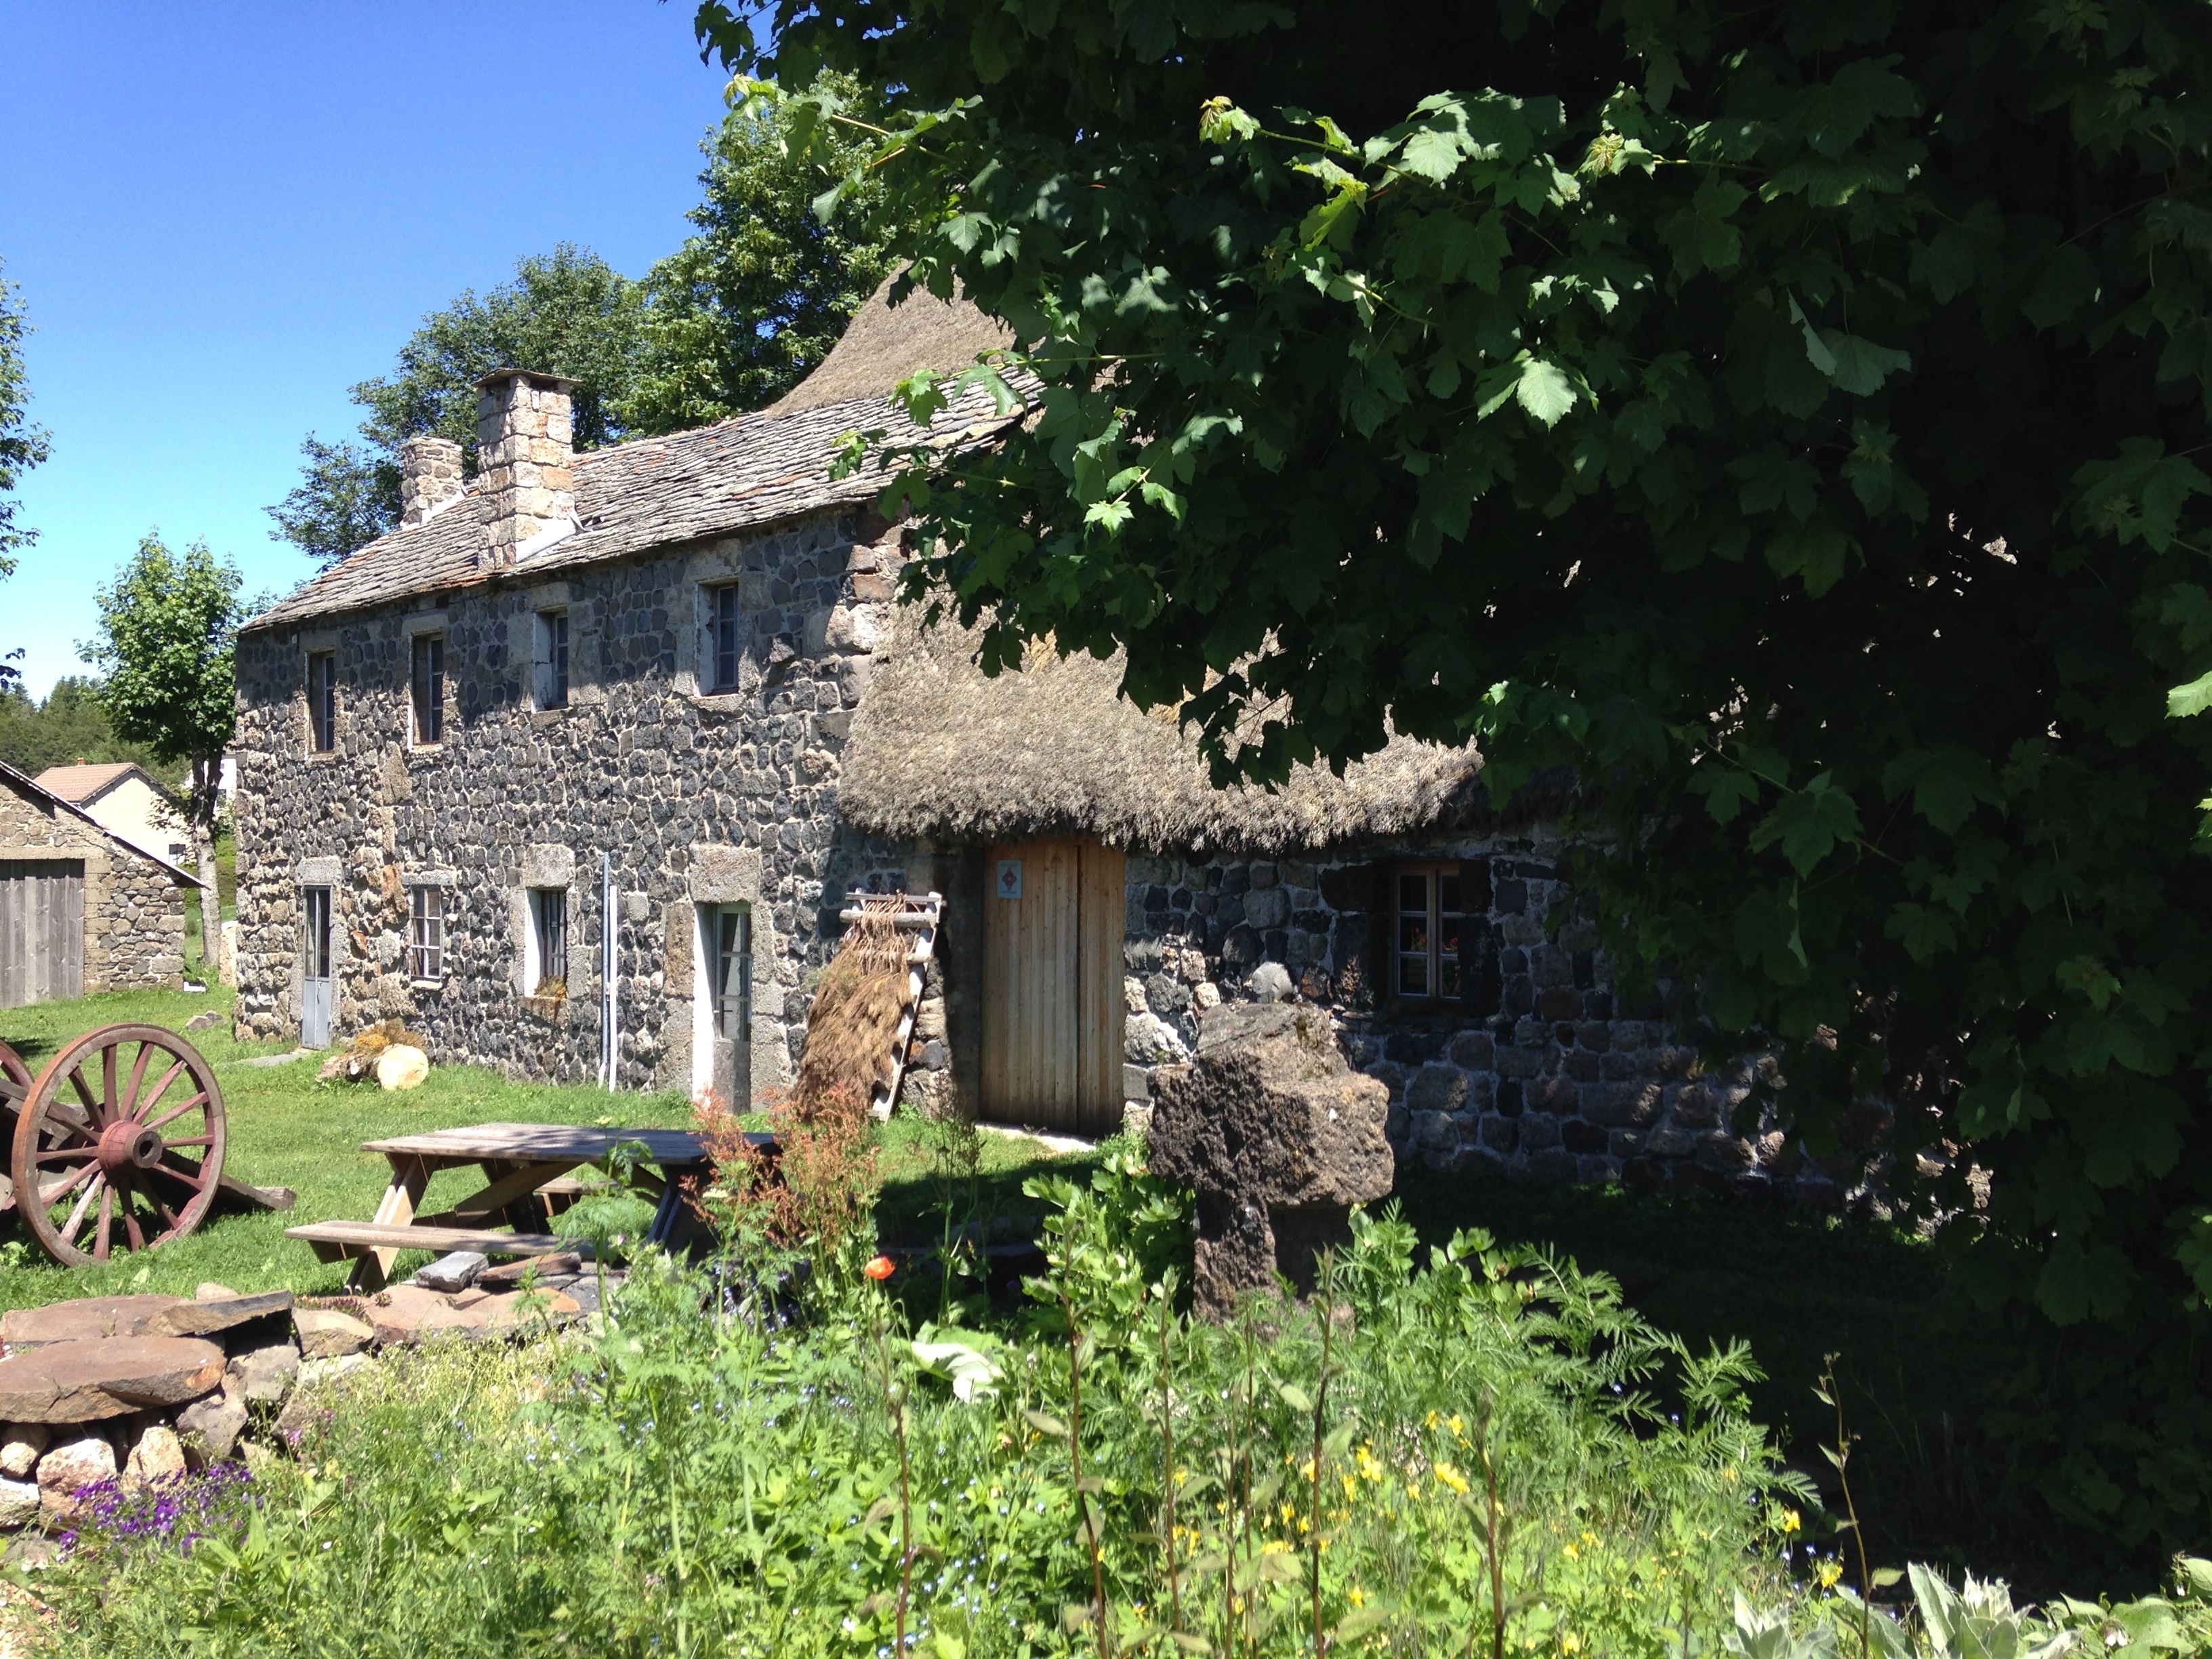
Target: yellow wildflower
(1828, 1572)
(1791, 1520)
(1357, 1596)
(1452, 1478)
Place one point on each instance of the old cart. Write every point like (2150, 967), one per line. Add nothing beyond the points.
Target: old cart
(116, 1145)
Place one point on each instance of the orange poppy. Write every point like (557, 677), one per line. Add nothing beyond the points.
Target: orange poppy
(881, 1268)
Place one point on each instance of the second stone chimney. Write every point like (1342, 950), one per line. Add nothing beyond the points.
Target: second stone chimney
(526, 462)
(429, 476)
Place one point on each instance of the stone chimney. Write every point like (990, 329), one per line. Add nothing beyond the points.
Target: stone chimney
(526, 462)
(429, 476)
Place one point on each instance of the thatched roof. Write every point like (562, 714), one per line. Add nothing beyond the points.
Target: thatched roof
(940, 750)
(884, 343)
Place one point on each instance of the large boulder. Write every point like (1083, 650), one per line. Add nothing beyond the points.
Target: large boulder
(1278, 1137)
(89, 1380)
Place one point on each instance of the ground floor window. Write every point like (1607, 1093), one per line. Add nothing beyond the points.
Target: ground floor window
(1429, 918)
(548, 942)
(426, 933)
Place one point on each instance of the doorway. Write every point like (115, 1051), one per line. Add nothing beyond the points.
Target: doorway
(315, 968)
(41, 930)
(726, 997)
(1052, 984)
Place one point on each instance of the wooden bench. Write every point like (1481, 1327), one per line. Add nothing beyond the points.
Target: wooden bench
(347, 1241)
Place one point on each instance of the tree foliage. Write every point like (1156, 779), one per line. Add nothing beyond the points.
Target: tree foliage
(728, 323)
(68, 726)
(1790, 419)
(22, 444)
(747, 307)
(168, 645)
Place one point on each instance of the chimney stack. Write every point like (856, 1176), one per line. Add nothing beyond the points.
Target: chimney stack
(526, 462)
(429, 476)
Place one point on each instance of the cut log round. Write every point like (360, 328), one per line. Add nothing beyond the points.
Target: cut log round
(118, 1145)
(88, 1381)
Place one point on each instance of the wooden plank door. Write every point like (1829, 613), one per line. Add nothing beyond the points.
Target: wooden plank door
(1051, 971)
(41, 930)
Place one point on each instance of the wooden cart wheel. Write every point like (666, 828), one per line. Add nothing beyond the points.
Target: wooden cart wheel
(15, 1086)
(119, 1144)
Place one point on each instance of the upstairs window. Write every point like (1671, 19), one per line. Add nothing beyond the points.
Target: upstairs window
(322, 702)
(426, 933)
(724, 640)
(548, 942)
(1429, 920)
(428, 680)
(550, 660)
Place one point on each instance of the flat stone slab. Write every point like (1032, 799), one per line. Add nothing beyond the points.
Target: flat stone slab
(77, 1321)
(409, 1314)
(207, 1318)
(87, 1381)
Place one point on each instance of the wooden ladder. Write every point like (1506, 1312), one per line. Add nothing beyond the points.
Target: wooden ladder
(918, 914)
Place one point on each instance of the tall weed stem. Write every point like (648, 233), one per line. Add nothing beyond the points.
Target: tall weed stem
(1327, 1301)
(1075, 1457)
(1168, 1447)
(893, 1397)
(1830, 1395)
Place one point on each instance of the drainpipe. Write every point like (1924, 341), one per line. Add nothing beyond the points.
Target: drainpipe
(610, 967)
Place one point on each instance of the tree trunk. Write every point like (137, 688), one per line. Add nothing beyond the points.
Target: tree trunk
(207, 773)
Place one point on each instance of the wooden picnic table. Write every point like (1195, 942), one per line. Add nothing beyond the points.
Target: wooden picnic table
(526, 1180)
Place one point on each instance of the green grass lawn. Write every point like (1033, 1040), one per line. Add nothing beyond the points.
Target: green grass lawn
(288, 1130)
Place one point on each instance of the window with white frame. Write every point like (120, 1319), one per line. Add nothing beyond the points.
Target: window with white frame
(546, 970)
(730, 967)
(1426, 961)
(426, 933)
(549, 660)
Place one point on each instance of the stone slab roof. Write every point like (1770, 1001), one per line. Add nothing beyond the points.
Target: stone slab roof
(741, 474)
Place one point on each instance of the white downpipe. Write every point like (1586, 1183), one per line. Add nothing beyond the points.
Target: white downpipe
(609, 968)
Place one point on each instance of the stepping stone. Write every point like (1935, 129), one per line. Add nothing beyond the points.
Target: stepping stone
(86, 1381)
(77, 1321)
(398, 1313)
(207, 1318)
(508, 1274)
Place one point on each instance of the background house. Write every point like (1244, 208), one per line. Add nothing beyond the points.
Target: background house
(83, 908)
(123, 797)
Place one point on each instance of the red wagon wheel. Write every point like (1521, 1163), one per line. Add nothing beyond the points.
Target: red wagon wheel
(119, 1144)
(15, 1088)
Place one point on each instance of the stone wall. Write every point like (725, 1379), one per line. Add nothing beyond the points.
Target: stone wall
(1543, 1069)
(134, 909)
(700, 797)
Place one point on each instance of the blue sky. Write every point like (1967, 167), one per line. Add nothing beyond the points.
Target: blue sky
(222, 215)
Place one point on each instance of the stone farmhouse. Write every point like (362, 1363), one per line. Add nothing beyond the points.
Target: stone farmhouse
(574, 770)
(83, 906)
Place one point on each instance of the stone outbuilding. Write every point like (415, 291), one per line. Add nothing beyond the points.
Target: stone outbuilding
(574, 769)
(123, 796)
(83, 908)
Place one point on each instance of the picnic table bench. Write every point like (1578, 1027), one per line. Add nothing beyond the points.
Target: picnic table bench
(526, 1182)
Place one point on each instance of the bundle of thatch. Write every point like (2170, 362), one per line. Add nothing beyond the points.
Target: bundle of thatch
(851, 1030)
(356, 1062)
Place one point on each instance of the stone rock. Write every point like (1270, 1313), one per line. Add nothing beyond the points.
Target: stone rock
(226, 972)
(68, 1469)
(1270, 983)
(84, 1382)
(1279, 1136)
(209, 1428)
(1205, 994)
(508, 1274)
(19, 1503)
(211, 1292)
(402, 1066)
(396, 1314)
(266, 1376)
(1148, 1039)
(159, 1455)
(206, 1317)
(19, 1447)
(329, 1333)
(456, 1272)
(77, 1321)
